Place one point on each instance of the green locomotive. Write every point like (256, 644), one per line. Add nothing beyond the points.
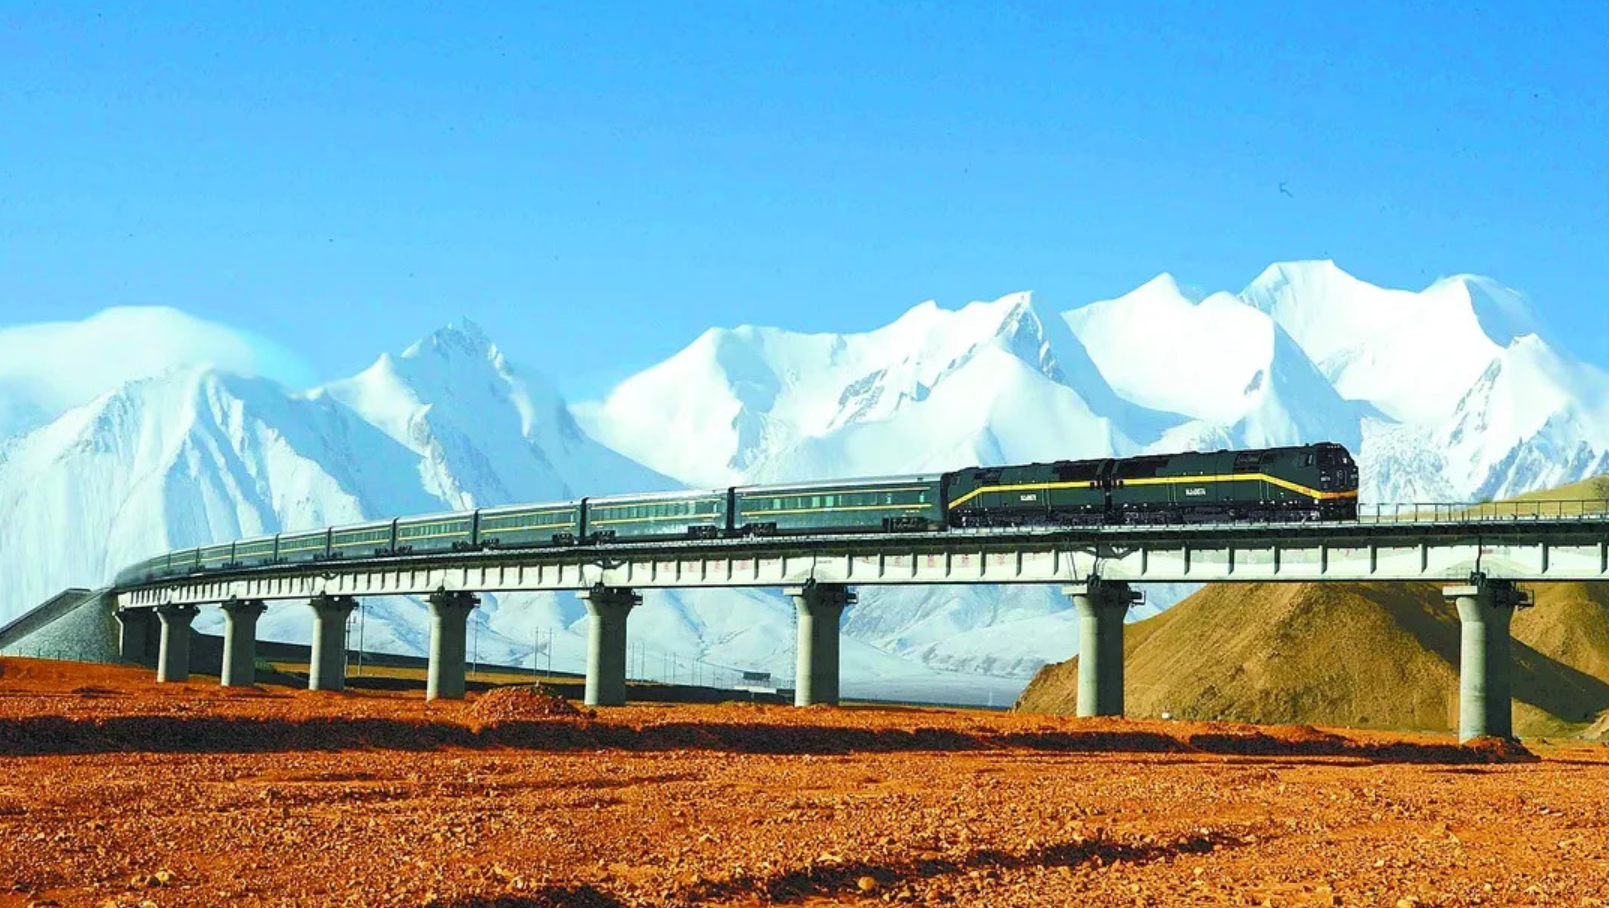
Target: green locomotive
(1310, 482)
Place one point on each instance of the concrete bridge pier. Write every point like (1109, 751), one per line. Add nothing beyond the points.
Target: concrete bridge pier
(1485, 663)
(173, 655)
(820, 608)
(1101, 605)
(326, 668)
(606, 643)
(240, 641)
(137, 629)
(449, 622)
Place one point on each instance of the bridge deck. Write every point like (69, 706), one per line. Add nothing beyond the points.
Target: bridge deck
(1526, 548)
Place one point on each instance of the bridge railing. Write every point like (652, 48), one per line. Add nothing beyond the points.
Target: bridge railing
(1372, 514)
(1483, 512)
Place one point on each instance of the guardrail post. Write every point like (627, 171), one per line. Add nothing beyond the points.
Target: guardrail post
(449, 618)
(606, 643)
(326, 669)
(820, 608)
(1485, 664)
(240, 642)
(1102, 605)
(173, 655)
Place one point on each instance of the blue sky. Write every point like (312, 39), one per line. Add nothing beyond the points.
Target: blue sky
(597, 183)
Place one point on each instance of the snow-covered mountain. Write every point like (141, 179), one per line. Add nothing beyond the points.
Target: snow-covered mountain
(989, 383)
(1231, 368)
(485, 431)
(1447, 393)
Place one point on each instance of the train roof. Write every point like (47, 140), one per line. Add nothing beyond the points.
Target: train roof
(439, 515)
(366, 525)
(511, 508)
(657, 496)
(851, 482)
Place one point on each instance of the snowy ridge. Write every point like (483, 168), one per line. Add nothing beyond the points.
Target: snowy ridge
(1412, 355)
(975, 385)
(485, 431)
(1445, 394)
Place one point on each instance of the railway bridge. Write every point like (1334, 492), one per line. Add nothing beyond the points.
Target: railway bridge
(1479, 559)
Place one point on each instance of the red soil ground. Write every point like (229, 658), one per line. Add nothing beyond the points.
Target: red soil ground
(115, 791)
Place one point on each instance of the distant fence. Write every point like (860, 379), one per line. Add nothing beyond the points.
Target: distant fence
(1484, 512)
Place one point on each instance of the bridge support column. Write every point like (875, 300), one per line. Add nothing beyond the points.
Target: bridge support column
(1485, 662)
(137, 628)
(326, 668)
(240, 641)
(449, 622)
(1102, 605)
(606, 643)
(173, 655)
(820, 607)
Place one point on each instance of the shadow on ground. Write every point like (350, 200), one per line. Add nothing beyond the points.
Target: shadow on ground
(59, 735)
(840, 876)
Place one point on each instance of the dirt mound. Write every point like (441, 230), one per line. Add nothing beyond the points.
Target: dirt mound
(1379, 655)
(515, 704)
(1570, 624)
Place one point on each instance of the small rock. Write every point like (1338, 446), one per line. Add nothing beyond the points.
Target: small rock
(866, 883)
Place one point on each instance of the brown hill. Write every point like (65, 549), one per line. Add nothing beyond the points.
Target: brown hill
(1381, 655)
(1360, 655)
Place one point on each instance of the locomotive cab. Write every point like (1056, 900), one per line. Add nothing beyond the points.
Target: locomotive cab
(1336, 469)
(1338, 473)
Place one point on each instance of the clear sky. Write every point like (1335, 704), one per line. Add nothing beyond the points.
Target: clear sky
(596, 183)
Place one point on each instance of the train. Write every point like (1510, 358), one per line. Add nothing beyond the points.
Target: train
(1299, 483)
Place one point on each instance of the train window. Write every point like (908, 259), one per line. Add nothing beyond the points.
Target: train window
(827, 500)
(1308, 460)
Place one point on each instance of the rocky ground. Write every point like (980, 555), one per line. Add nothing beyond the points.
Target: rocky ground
(116, 792)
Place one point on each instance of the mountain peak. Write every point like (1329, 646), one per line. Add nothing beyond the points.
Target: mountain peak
(1164, 286)
(1302, 268)
(461, 337)
(1504, 314)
